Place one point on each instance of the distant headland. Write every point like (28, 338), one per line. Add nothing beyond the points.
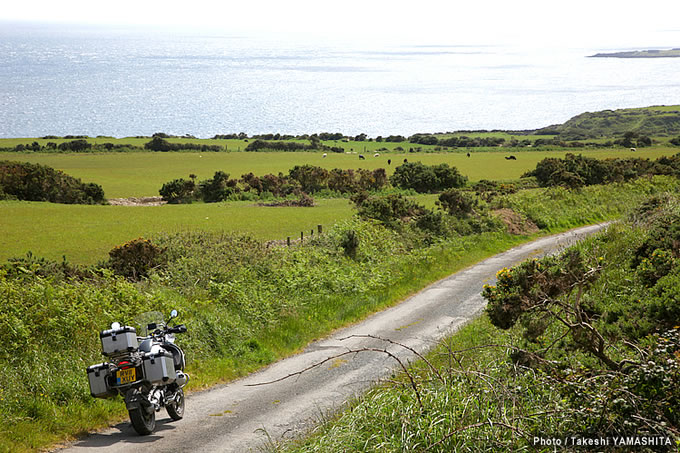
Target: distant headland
(654, 53)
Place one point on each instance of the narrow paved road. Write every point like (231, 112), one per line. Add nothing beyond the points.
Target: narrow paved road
(238, 418)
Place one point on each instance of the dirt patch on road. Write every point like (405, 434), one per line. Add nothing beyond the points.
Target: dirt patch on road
(515, 223)
(137, 201)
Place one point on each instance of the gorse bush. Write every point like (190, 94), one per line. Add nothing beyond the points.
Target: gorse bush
(456, 202)
(574, 300)
(390, 209)
(136, 258)
(577, 171)
(34, 182)
(178, 191)
(426, 179)
(159, 143)
(300, 179)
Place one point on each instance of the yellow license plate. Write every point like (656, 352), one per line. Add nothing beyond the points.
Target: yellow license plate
(126, 376)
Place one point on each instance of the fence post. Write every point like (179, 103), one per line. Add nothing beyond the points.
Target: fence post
(288, 241)
(319, 229)
(302, 236)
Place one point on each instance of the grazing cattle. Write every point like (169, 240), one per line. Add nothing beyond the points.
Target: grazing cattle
(510, 158)
(405, 160)
(389, 161)
(376, 155)
(324, 155)
(633, 149)
(361, 156)
(468, 154)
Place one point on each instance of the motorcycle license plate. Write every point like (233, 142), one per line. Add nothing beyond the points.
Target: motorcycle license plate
(126, 376)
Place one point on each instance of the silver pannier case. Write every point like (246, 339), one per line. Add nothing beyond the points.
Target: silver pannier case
(97, 375)
(159, 367)
(120, 340)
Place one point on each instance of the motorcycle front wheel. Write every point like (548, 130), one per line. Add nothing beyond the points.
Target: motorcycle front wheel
(176, 409)
(142, 421)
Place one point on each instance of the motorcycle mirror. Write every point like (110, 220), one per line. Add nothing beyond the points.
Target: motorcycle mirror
(173, 314)
(115, 325)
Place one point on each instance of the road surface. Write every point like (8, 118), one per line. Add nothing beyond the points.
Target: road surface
(237, 417)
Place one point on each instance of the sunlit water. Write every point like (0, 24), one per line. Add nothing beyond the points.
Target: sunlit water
(106, 82)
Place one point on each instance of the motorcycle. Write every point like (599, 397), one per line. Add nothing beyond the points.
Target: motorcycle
(148, 371)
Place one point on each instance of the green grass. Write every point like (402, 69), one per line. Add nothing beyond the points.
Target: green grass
(477, 396)
(86, 233)
(143, 174)
(245, 306)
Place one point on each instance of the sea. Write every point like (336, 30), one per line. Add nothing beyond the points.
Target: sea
(60, 80)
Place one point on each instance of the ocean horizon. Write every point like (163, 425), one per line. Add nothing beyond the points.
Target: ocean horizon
(58, 80)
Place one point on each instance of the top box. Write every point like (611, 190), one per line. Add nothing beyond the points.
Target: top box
(116, 341)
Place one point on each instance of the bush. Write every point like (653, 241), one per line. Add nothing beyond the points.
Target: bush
(350, 243)
(178, 191)
(577, 171)
(75, 145)
(135, 259)
(456, 202)
(390, 209)
(34, 182)
(219, 188)
(423, 178)
(311, 178)
(159, 143)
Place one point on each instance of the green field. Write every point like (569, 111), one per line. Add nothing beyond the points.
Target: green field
(143, 173)
(85, 233)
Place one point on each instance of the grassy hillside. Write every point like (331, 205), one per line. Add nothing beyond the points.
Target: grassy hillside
(579, 347)
(245, 305)
(661, 121)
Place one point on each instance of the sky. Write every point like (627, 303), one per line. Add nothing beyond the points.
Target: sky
(590, 23)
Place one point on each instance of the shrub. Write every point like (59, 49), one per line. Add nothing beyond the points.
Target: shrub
(432, 222)
(135, 259)
(75, 145)
(34, 182)
(219, 188)
(178, 191)
(390, 209)
(350, 243)
(158, 143)
(576, 171)
(311, 178)
(456, 202)
(423, 178)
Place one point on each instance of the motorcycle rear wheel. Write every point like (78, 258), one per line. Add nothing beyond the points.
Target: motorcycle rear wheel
(142, 421)
(176, 409)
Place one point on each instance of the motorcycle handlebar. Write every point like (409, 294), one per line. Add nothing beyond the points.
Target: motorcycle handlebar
(178, 329)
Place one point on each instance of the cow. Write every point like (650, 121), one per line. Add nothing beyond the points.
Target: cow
(510, 158)
(361, 157)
